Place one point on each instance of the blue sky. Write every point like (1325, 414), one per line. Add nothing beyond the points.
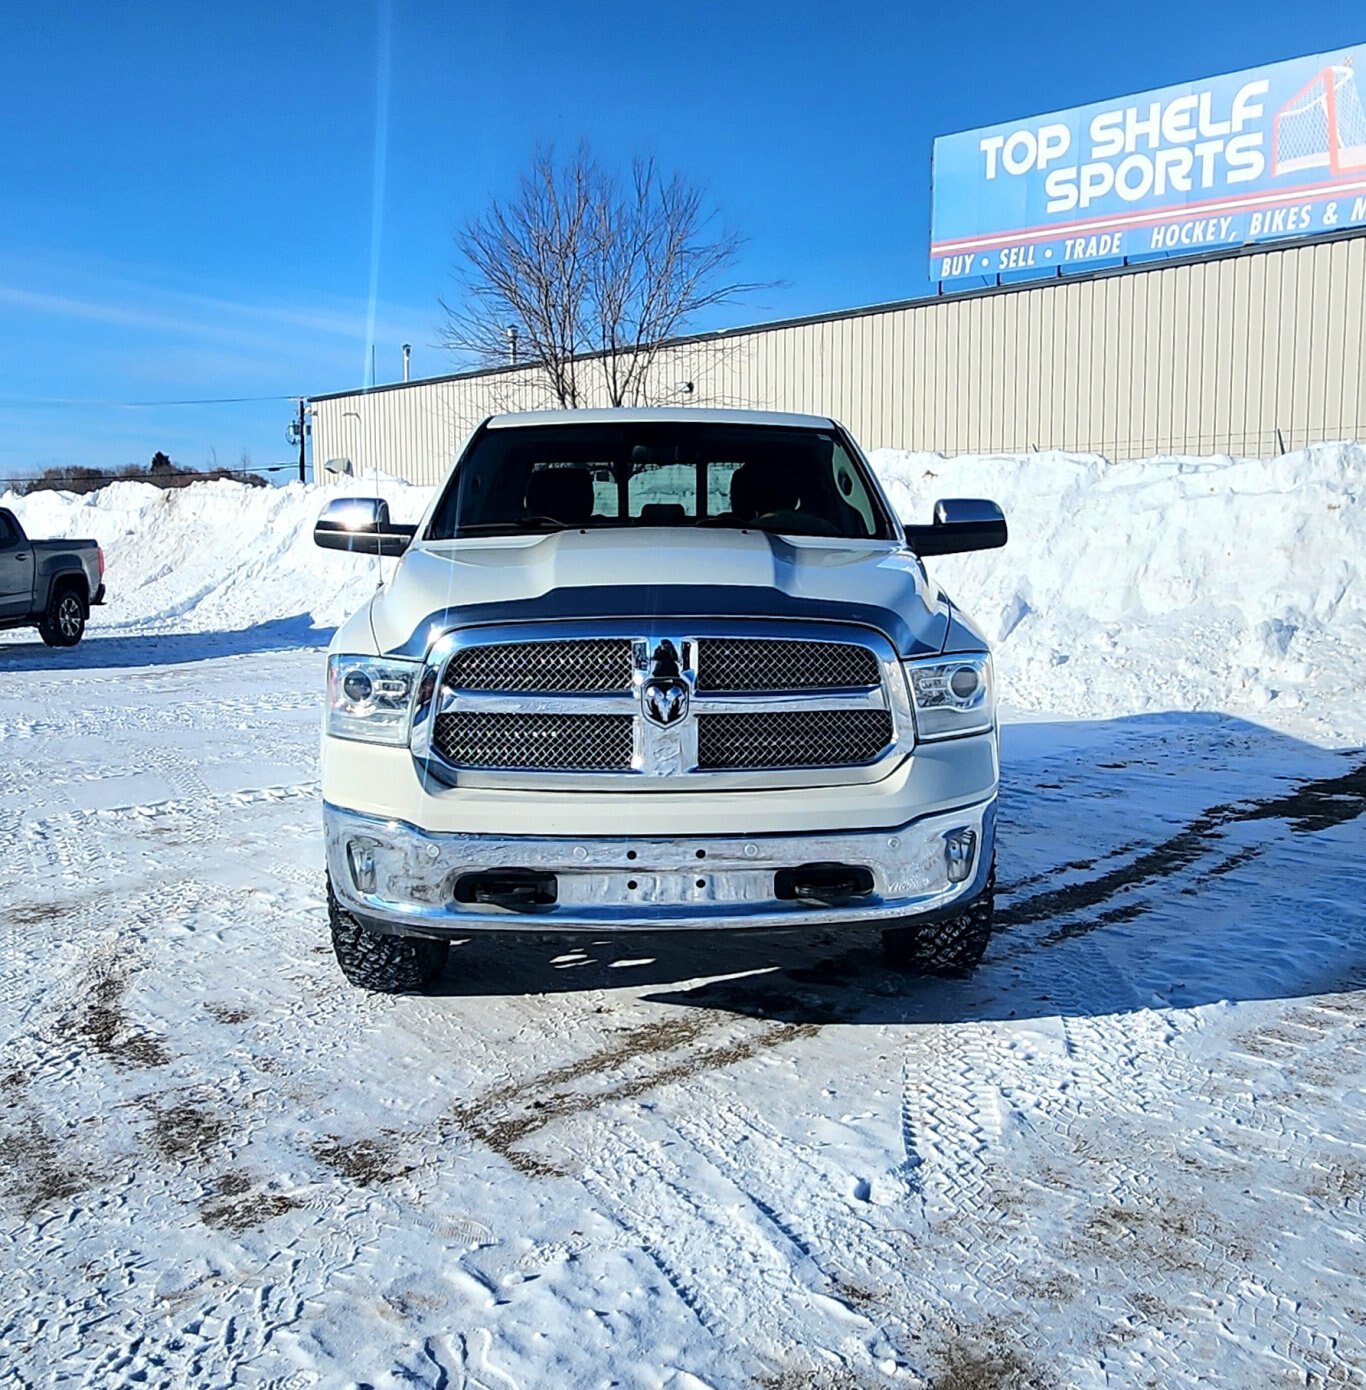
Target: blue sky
(205, 202)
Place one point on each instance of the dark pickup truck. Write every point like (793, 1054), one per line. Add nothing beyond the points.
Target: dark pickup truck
(49, 585)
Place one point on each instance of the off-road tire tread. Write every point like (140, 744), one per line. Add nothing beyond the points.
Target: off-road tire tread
(953, 946)
(383, 964)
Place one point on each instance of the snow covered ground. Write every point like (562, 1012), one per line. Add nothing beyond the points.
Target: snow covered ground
(1130, 1151)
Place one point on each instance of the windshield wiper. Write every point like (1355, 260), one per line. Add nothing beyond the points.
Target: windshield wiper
(513, 527)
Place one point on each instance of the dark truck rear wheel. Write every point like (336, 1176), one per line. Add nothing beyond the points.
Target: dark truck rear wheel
(383, 964)
(951, 946)
(63, 621)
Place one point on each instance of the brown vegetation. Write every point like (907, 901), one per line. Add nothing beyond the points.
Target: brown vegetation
(161, 472)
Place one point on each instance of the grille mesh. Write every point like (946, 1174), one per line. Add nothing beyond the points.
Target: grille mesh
(811, 738)
(565, 667)
(549, 742)
(741, 664)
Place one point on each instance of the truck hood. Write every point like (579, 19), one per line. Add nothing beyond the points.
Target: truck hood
(657, 574)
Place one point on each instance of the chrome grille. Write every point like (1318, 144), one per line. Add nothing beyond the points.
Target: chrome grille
(598, 664)
(543, 742)
(748, 664)
(794, 739)
(564, 704)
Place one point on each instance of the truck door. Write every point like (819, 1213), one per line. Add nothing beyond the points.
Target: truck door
(16, 570)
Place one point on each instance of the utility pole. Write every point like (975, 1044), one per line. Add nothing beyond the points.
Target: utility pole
(303, 435)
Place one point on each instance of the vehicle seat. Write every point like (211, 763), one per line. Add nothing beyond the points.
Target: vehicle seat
(664, 514)
(760, 487)
(563, 493)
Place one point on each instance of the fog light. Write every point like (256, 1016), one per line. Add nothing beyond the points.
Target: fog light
(959, 848)
(360, 857)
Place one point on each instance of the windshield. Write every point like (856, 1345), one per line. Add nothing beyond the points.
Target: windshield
(553, 477)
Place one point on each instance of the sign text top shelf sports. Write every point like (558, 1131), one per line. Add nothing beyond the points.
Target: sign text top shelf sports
(1276, 151)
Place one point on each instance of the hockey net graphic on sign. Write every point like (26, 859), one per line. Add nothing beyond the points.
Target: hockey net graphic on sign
(1323, 126)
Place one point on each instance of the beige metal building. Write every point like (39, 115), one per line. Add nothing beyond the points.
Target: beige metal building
(1252, 352)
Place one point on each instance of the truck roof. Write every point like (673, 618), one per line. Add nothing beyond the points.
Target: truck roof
(680, 414)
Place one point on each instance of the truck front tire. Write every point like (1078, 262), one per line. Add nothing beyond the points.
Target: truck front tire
(63, 621)
(951, 946)
(380, 963)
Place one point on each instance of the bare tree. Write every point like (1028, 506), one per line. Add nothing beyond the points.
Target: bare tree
(591, 273)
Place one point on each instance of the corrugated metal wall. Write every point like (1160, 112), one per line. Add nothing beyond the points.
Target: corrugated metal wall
(1242, 354)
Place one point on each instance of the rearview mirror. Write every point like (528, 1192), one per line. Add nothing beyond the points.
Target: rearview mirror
(362, 526)
(960, 524)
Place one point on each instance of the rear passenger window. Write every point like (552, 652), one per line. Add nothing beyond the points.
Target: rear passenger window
(664, 492)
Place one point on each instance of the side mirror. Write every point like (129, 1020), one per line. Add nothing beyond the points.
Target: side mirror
(960, 523)
(361, 525)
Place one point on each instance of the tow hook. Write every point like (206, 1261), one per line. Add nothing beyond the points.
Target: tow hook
(831, 885)
(517, 890)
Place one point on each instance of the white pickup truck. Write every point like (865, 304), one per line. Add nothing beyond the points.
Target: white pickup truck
(655, 670)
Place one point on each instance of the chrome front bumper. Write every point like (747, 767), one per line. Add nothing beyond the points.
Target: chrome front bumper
(398, 878)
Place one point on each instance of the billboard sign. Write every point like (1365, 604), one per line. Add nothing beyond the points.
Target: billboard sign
(1277, 151)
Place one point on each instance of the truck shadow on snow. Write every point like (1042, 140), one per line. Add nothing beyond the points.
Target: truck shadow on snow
(1162, 860)
(111, 650)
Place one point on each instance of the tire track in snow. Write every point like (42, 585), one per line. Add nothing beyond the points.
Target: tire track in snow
(153, 721)
(839, 1247)
(1122, 1119)
(951, 1110)
(195, 816)
(70, 833)
(693, 1231)
(1002, 1122)
(975, 1097)
(506, 1118)
(84, 1018)
(1309, 806)
(226, 1324)
(84, 882)
(98, 936)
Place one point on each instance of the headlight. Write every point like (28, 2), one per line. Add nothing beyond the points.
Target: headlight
(370, 697)
(953, 695)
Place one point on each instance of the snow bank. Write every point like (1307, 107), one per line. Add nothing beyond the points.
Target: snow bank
(1169, 583)
(218, 555)
(1165, 583)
